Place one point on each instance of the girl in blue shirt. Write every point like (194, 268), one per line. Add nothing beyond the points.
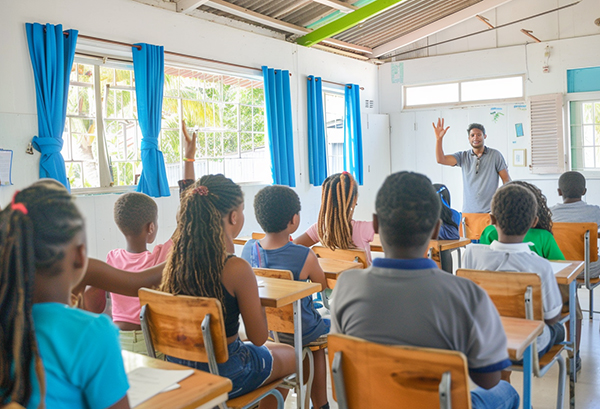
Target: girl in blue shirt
(52, 355)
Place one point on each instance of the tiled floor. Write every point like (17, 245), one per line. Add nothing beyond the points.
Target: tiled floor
(587, 389)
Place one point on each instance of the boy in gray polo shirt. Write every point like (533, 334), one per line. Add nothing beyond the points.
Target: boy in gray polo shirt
(404, 299)
(514, 210)
(571, 186)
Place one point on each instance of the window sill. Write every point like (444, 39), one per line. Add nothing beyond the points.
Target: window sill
(95, 191)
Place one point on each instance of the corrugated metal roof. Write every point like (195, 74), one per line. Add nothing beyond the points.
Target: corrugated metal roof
(399, 20)
(408, 16)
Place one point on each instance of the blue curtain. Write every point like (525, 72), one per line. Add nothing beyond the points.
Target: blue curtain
(317, 146)
(353, 152)
(149, 71)
(279, 125)
(51, 54)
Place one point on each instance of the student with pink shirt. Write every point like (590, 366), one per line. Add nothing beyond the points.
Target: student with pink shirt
(335, 228)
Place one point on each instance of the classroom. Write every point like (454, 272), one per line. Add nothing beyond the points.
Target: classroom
(431, 50)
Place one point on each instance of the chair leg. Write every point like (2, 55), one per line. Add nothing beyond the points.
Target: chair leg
(591, 292)
(562, 376)
(306, 352)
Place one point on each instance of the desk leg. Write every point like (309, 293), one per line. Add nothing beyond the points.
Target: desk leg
(300, 390)
(459, 258)
(573, 340)
(527, 377)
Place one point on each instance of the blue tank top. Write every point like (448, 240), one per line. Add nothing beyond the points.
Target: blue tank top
(289, 257)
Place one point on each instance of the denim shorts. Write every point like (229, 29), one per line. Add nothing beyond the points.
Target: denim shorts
(248, 366)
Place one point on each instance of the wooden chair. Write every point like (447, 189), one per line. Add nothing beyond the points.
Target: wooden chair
(473, 224)
(519, 295)
(193, 328)
(281, 320)
(370, 375)
(579, 241)
(357, 255)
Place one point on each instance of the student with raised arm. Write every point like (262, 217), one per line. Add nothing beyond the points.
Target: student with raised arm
(481, 166)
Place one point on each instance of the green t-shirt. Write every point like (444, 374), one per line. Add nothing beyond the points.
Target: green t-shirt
(542, 242)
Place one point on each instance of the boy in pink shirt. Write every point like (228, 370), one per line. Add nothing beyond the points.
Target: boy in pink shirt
(136, 215)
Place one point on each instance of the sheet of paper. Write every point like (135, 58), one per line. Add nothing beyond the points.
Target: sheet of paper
(5, 167)
(145, 383)
(556, 267)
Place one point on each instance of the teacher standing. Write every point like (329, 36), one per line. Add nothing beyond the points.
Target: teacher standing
(480, 166)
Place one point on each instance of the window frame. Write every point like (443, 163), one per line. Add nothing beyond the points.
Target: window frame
(577, 97)
(341, 93)
(461, 103)
(103, 160)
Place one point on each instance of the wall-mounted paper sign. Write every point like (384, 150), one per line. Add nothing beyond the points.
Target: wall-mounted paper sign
(5, 167)
(519, 130)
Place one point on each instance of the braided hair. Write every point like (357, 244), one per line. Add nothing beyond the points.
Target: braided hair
(444, 195)
(337, 206)
(34, 230)
(544, 213)
(199, 248)
(514, 208)
(408, 209)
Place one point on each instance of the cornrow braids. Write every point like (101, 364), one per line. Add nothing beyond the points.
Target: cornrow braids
(544, 213)
(199, 248)
(337, 206)
(514, 207)
(33, 232)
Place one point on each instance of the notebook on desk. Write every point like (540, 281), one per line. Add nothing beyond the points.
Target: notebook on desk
(144, 383)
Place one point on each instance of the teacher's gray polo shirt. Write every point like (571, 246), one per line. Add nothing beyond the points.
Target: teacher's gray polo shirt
(480, 178)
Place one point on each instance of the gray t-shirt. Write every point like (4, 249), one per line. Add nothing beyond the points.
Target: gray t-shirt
(480, 178)
(578, 212)
(518, 257)
(412, 302)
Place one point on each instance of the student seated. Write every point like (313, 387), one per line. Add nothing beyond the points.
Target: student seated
(449, 228)
(513, 214)
(53, 356)
(540, 236)
(136, 215)
(335, 228)
(202, 264)
(571, 186)
(277, 210)
(404, 299)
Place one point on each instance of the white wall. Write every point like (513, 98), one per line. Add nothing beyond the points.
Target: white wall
(413, 149)
(130, 22)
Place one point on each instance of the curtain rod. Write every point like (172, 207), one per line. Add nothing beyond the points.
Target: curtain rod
(139, 47)
(335, 83)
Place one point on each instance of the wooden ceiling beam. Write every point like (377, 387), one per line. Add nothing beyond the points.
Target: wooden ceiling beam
(338, 5)
(185, 6)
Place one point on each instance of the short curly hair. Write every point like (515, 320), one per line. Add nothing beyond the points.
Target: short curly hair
(572, 185)
(475, 126)
(275, 206)
(514, 208)
(407, 208)
(133, 211)
(544, 213)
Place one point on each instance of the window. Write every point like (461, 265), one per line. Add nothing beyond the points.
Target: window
(585, 134)
(464, 92)
(227, 112)
(334, 119)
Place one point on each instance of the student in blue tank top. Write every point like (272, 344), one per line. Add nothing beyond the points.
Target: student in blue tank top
(277, 210)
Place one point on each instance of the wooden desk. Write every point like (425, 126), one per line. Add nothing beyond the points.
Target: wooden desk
(201, 390)
(520, 334)
(275, 292)
(567, 276)
(241, 240)
(333, 268)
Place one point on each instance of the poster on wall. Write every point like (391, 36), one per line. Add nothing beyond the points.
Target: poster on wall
(397, 73)
(5, 167)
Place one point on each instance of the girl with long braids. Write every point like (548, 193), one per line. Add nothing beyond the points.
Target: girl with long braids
(51, 355)
(202, 264)
(335, 227)
(543, 242)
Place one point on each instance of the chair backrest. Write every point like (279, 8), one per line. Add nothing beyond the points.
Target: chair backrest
(570, 237)
(474, 224)
(358, 255)
(174, 323)
(278, 319)
(258, 235)
(384, 376)
(509, 291)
